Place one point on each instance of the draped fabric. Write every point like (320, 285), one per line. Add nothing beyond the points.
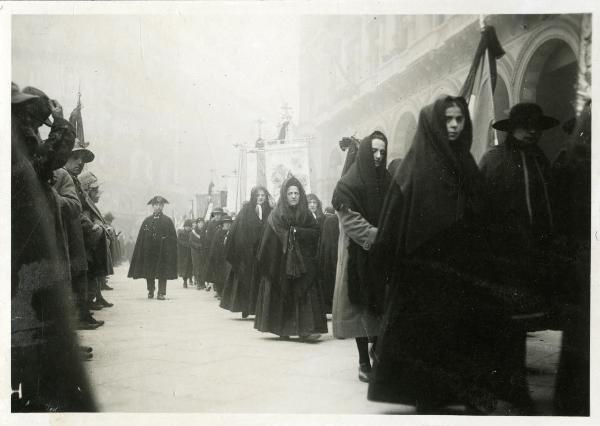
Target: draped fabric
(241, 287)
(445, 337)
(184, 254)
(328, 257)
(289, 301)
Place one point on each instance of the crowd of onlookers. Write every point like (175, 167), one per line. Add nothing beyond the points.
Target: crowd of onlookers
(63, 249)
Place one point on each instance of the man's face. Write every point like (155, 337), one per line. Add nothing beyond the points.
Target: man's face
(455, 122)
(75, 163)
(226, 226)
(293, 195)
(94, 194)
(217, 217)
(157, 208)
(312, 205)
(200, 225)
(260, 197)
(378, 149)
(529, 134)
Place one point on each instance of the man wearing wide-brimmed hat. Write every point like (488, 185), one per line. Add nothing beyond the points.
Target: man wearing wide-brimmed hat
(517, 178)
(155, 253)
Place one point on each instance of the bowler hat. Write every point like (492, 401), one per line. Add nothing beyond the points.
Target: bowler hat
(157, 199)
(528, 115)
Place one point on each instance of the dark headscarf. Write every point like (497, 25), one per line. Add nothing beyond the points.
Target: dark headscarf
(266, 206)
(284, 216)
(363, 187)
(436, 184)
(311, 197)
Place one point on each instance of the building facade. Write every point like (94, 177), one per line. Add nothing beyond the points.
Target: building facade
(364, 73)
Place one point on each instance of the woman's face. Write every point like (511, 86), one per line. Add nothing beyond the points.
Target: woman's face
(260, 197)
(293, 195)
(200, 225)
(312, 205)
(455, 122)
(378, 148)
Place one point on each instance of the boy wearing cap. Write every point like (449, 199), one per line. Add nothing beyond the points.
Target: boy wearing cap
(155, 253)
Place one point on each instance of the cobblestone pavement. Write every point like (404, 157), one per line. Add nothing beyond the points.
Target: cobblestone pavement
(185, 354)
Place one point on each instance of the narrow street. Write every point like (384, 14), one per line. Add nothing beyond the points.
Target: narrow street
(186, 354)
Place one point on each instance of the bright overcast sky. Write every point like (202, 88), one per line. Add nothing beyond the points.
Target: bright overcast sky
(201, 81)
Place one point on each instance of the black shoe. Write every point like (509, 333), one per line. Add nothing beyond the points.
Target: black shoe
(161, 297)
(150, 295)
(93, 320)
(184, 285)
(95, 306)
(105, 303)
(244, 315)
(84, 325)
(364, 372)
(106, 287)
(86, 349)
(86, 356)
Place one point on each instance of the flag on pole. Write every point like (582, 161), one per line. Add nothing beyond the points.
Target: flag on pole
(481, 103)
(489, 47)
(77, 121)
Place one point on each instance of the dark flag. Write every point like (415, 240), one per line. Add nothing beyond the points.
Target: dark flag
(77, 121)
(488, 44)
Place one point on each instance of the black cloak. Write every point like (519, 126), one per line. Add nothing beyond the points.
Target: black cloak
(362, 189)
(444, 339)
(289, 303)
(184, 254)
(241, 288)
(328, 252)
(155, 252)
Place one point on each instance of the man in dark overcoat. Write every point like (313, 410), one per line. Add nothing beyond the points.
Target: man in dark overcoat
(155, 253)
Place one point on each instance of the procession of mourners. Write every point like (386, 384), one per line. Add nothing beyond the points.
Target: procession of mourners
(436, 266)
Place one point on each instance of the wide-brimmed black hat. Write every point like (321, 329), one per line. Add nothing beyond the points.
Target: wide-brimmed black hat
(526, 114)
(40, 108)
(18, 97)
(157, 199)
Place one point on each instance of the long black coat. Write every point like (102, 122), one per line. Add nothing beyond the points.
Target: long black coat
(327, 255)
(184, 254)
(155, 252)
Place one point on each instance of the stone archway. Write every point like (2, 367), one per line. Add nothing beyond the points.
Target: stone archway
(549, 79)
(403, 135)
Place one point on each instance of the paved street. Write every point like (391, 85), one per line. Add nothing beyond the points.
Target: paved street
(186, 354)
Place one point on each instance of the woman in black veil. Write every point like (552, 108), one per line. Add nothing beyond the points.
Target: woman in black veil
(445, 338)
(289, 298)
(241, 287)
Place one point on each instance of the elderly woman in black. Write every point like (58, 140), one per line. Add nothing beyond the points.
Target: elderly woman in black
(444, 337)
(289, 300)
